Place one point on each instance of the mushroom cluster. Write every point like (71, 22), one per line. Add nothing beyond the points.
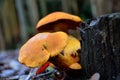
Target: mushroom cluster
(53, 43)
(45, 47)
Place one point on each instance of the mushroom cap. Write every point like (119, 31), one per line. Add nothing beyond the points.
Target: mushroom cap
(72, 46)
(37, 50)
(33, 53)
(48, 22)
(56, 42)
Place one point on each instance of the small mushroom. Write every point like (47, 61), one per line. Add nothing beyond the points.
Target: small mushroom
(75, 66)
(58, 21)
(37, 50)
(70, 51)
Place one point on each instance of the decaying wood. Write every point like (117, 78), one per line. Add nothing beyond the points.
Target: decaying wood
(101, 46)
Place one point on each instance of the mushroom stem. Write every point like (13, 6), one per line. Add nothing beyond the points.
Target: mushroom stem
(60, 61)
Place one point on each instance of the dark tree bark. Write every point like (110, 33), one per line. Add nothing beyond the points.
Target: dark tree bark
(101, 46)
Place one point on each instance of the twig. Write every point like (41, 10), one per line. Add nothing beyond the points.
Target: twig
(45, 74)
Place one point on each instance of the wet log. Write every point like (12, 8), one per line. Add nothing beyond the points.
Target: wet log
(101, 46)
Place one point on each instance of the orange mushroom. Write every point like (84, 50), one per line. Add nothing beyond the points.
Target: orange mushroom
(75, 66)
(37, 51)
(70, 52)
(58, 21)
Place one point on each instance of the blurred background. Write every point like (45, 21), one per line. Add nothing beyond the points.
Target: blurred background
(18, 18)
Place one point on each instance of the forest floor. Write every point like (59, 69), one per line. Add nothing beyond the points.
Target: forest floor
(11, 69)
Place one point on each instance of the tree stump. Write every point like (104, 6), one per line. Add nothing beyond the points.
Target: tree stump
(101, 46)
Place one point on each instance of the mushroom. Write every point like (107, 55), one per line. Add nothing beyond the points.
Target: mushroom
(58, 21)
(75, 66)
(37, 50)
(70, 52)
